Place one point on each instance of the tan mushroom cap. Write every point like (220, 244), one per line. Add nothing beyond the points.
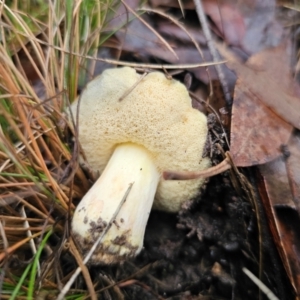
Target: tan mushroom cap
(156, 114)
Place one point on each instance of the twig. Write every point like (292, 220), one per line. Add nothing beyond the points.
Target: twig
(68, 285)
(214, 53)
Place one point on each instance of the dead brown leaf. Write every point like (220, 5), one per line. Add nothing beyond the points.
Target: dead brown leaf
(256, 132)
(282, 176)
(267, 77)
(280, 195)
(264, 109)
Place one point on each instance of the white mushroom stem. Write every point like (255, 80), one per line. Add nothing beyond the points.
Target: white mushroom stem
(130, 163)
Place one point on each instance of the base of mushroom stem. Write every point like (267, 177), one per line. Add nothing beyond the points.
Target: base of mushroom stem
(130, 163)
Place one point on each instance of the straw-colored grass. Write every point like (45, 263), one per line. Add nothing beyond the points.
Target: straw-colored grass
(39, 173)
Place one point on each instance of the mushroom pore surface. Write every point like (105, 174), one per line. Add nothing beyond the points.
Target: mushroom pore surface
(157, 114)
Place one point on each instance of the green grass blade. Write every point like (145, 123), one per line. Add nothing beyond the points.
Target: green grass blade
(20, 283)
(35, 265)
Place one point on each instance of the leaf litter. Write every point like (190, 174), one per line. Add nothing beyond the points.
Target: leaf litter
(257, 125)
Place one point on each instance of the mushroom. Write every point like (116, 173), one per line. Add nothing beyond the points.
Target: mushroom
(131, 129)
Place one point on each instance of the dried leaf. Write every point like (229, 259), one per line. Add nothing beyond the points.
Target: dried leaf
(266, 75)
(282, 176)
(280, 195)
(264, 109)
(256, 132)
(262, 26)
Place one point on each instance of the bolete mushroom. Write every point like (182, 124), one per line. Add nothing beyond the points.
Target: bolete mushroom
(132, 129)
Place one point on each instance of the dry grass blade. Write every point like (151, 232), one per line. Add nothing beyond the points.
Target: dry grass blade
(29, 234)
(126, 63)
(181, 7)
(260, 284)
(133, 87)
(38, 177)
(13, 248)
(84, 270)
